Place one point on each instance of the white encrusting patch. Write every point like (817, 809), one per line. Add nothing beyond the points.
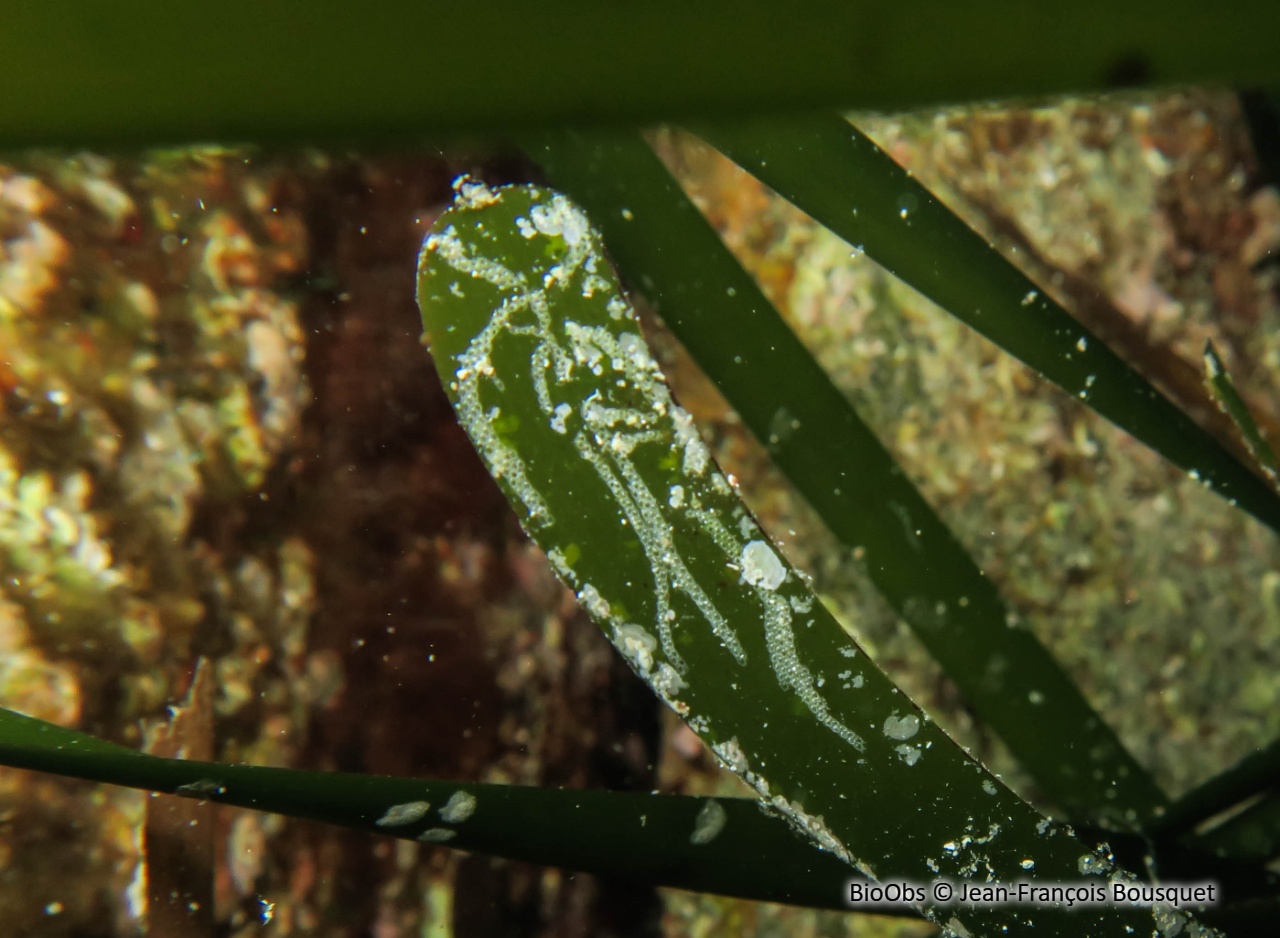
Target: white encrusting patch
(593, 602)
(761, 566)
(460, 806)
(731, 755)
(636, 645)
(558, 417)
(560, 217)
(472, 193)
(400, 814)
(903, 727)
(709, 823)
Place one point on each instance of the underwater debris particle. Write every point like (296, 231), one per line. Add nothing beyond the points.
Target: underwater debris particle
(761, 566)
(460, 806)
(709, 823)
(437, 835)
(400, 814)
(676, 497)
(902, 727)
(1082, 344)
(1031, 297)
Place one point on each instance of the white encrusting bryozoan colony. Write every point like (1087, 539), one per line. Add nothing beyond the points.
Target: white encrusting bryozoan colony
(400, 814)
(608, 434)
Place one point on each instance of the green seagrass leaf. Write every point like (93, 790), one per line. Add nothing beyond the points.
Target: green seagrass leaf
(662, 242)
(829, 169)
(545, 364)
(704, 844)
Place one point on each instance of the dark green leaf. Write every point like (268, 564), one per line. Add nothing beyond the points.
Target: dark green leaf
(1256, 772)
(549, 374)
(1253, 833)
(723, 845)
